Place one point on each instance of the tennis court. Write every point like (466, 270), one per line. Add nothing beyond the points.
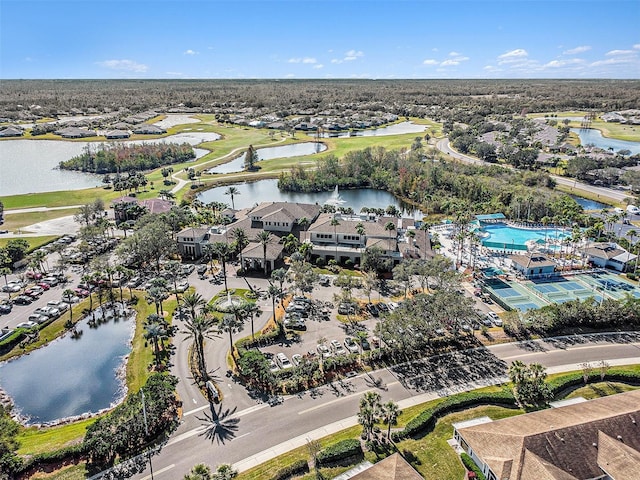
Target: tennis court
(512, 295)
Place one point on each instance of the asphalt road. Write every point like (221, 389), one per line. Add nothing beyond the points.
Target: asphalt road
(247, 435)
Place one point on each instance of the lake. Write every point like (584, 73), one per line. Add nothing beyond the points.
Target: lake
(268, 153)
(70, 377)
(267, 191)
(395, 129)
(591, 136)
(31, 166)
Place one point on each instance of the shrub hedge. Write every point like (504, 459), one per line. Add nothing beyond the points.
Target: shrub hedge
(427, 419)
(471, 465)
(339, 451)
(299, 467)
(64, 454)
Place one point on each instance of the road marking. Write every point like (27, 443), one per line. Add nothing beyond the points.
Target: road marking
(162, 470)
(240, 436)
(189, 434)
(195, 410)
(194, 401)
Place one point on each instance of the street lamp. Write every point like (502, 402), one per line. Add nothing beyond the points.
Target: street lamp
(146, 430)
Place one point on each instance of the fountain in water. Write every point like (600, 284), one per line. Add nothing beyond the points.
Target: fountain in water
(335, 198)
(229, 303)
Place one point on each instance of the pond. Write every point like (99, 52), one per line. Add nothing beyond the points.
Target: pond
(589, 204)
(283, 151)
(267, 191)
(395, 129)
(70, 377)
(591, 136)
(31, 166)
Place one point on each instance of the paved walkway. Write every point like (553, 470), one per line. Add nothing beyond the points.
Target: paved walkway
(340, 425)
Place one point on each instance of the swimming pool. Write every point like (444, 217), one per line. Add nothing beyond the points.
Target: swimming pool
(503, 236)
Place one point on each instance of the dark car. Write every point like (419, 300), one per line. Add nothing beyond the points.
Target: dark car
(22, 300)
(372, 309)
(5, 307)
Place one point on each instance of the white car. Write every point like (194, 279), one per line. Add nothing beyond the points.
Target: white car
(273, 367)
(324, 351)
(11, 288)
(62, 306)
(50, 312)
(282, 361)
(26, 325)
(296, 359)
(351, 345)
(38, 318)
(337, 348)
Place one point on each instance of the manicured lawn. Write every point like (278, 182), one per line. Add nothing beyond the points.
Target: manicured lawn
(15, 221)
(74, 472)
(601, 389)
(33, 440)
(618, 130)
(34, 242)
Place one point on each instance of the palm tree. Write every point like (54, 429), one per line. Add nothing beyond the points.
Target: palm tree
(199, 471)
(68, 293)
(157, 334)
(264, 238)
(87, 279)
(274, 292)
(369, 410)
(390, 413)
(252, 310)
(200, 328)
(157, 295)
(290, 243)
(173, 268)
(232, 323)
(193, 302)
(232, 191)
(222, 250)
(241, 239)
(304, 223)
(390, 227)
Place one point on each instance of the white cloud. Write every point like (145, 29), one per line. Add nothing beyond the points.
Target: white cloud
(307, 60)
(514, 56)
(563, 63)
(620, 52)
(190, 52)
(174, 74)
(575, 51)
(290, 75)
(353, 55)
(124, 65)
(454, 54)
(318, 66)
(636, 46)
(447, 63)
(613, 61)
(430, 61)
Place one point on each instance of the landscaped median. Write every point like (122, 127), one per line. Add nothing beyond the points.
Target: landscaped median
(423, 430)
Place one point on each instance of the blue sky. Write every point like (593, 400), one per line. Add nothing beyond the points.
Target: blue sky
(319, 39)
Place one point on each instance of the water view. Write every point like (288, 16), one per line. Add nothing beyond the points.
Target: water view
(69, 376)
(283, 151)
(589, 204)
(502, 235)
(31, 166)
(591, 136)
(395, 129)
(267, 190)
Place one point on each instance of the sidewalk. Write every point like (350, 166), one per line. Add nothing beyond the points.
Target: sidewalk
(348, 422)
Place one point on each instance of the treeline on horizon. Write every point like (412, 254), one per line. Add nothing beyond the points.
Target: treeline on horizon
(120, 157)
(402, 97)
(438, 187)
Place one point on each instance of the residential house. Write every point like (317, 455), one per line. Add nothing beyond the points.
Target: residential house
(75, 132)
(191, 242)
(610, 255)
(115, 134)
(394, 467)
(598, 439)
(146, 129)
(130, 208)
(11, 131)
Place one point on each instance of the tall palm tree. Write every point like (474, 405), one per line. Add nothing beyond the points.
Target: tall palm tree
(275, 293)
(157, 334)
(87, 279)
(232, 323)
(264, 238)
(222, 250)
(390, 227)
(193, 302)
(157, 295)
(67, 294)
(369, 410)
(242, 240)
(232, 191)
(390, 413)
(252, 310)
(200, 328)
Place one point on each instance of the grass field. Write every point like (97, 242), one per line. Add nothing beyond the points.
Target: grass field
(17, 221)
(34, 242)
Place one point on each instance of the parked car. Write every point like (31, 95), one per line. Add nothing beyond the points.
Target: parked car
(134, 282)
(296, 359)
(34, 291)
(5, 307)
(26, 324)
(62, 306)
(372, 309)
(81, 292)
(346, 309)
(364, 342)
(383, 307)
(351, 345)
(11, 288)
(182, 287)
(294, 322)
(33, 275)
(325, 280)
(273, 367)
(324, 351)
(337, 348)
(52, 281)
(43, 285)
(282, 361)
(202, 269)
(22, 300)
(50, 312)
(38, 318)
